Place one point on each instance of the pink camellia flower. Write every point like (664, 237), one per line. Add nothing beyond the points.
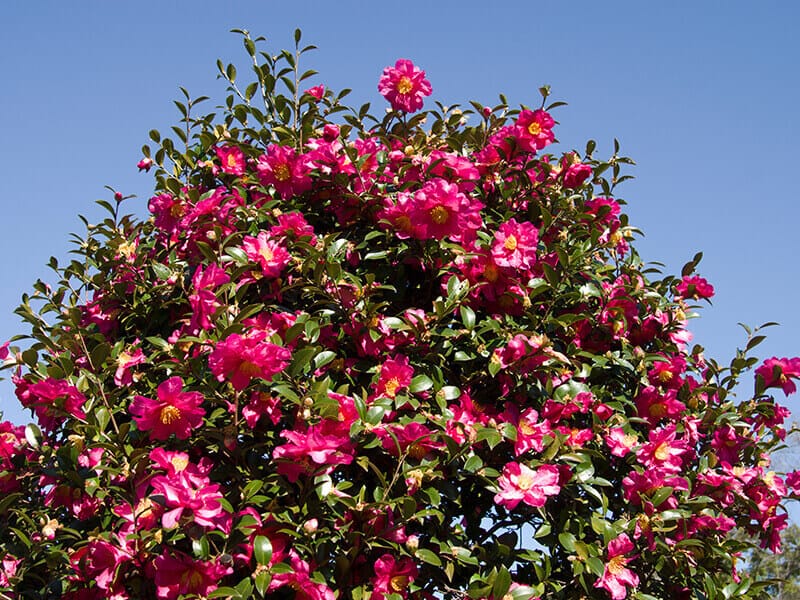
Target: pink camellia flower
(175, 411)
(694, 287)
(531, 431)
(299, 580)
(232, 159)
(515, 245)
(404, 86)
(203, 298)
(727, 444)
(440, 210)
(271, 256)
(616, 575)
(52, 400)
(293, 225)
(145, 164)
(190, 492)
(619, 442)
(126, 360)
(262, 404)
(519, 483)
(98, 561)
(395, 375)
(654, 405)
(282, 168)
(8, 569)
(393, 576)
(779, 372)
(574, 171)
(663, 451)
(4, 350)
(637, 487)
(318, 91)
(314, 451)
(178, 575)
(240, 358)
(413, 438)
(668, 373)
(534, 130)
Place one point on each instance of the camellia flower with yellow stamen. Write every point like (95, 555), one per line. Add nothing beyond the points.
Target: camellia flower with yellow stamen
(519, 483)
(232, 159)
(534, 130)
(404, 86)
(270, 255)
(515, 244)
(395, 376)
(175, 411)
(393, 576)
(285, 170)
(616, 574)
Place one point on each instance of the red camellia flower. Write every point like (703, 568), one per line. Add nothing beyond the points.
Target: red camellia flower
(175, 411)
(404, 86)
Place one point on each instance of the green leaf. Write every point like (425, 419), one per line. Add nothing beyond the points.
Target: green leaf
(420, 383)
(501, 583)
(661, 495)
(567, 541)
(324, 358)
(429, 557)
(33, 435)
(262, 549)
(467, 316)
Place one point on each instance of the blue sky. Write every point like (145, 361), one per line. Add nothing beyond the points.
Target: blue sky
(703, 96)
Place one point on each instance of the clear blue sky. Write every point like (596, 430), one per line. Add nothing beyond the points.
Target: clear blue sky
(703, 95)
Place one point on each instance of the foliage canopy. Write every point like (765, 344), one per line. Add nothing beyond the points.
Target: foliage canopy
(362, 357)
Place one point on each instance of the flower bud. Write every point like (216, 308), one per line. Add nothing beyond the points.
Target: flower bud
(311, 526)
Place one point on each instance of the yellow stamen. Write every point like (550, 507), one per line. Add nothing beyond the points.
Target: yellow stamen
(439, 214)
(266, 253)
(399, 582)
(525, 481)
(404, 85)
(617, 565)
(511, 243)
(391, 387)
(665, 376)
(534, 128)
(282, 172)
(169, 414)
(179, 463)
(662, 451)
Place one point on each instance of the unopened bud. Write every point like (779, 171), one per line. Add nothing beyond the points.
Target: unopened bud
(311, 526)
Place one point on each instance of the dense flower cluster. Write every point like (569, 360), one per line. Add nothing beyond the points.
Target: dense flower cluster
(347, 357)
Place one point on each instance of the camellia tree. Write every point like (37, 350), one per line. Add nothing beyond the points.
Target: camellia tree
(357, 357)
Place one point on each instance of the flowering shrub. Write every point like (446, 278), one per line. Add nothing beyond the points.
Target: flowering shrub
(365, 358)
